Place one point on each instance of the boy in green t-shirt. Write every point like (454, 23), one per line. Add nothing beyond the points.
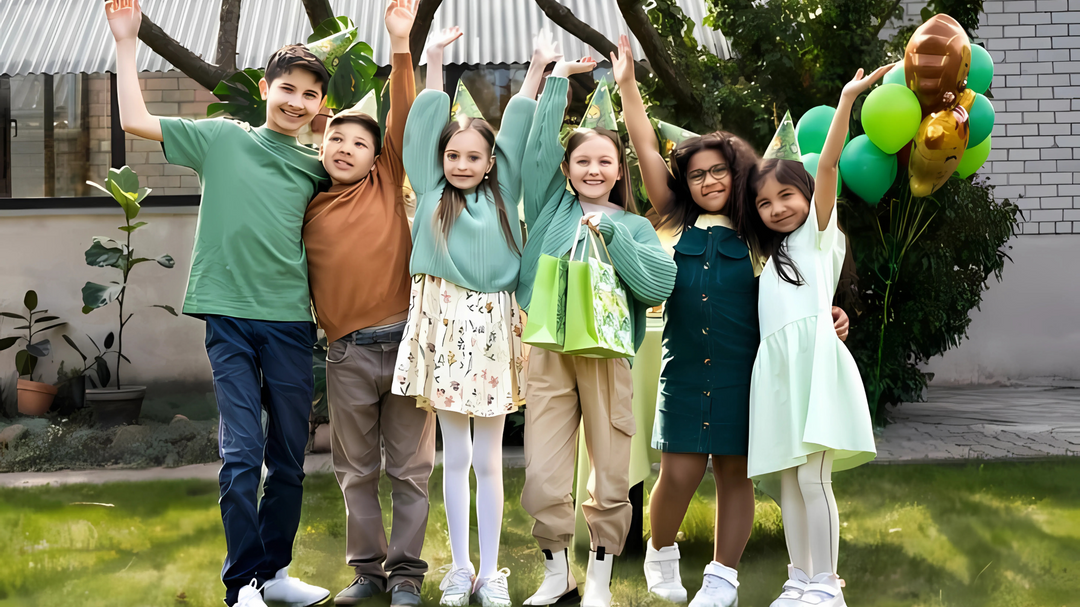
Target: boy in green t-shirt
(249, 282)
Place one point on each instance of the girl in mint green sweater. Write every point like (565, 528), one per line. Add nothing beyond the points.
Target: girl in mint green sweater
(563, 390)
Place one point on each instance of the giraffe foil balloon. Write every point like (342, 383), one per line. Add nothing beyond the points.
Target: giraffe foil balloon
(939, 146)
(936, 63)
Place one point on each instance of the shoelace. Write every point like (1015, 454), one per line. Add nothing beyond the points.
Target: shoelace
(459, 579)
(498, 589)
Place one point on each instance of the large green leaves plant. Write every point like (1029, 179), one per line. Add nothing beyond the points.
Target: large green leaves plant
(123, 186)
(27, 358)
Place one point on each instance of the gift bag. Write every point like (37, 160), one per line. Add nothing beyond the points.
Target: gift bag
(547, 309)
(597, 311)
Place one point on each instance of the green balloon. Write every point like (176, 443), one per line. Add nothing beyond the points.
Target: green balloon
(812, 129)
(867, 171)
(895, 75)
(981, 120)
(891, 117)
(810, 163)
(982, 70)
(974, 158)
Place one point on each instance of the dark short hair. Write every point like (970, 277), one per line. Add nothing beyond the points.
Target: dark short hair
(365, 121)
(296, 56)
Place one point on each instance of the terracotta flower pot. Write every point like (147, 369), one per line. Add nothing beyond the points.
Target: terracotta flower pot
(116, 406)
(35, 398)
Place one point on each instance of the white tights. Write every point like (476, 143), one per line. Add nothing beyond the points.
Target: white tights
(483, 452)
(811, 520)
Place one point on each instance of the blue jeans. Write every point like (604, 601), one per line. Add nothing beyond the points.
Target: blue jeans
(260, 365)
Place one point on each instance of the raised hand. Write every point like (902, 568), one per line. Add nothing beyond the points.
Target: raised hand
(545, 48)
(399, 17)
(622, 64)
(567, 68)
(443, 39)
(125, 17)
(859, 84)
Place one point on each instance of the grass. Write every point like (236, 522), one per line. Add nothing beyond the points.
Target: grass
(997, 534)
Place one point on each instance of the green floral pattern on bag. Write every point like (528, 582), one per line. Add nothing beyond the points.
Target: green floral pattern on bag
(610, 309)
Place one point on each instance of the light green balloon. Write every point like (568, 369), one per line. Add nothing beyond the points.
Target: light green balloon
(974, 158)
(891, 117)
(895, 75)
(812, 129)
(810, 163)
(982, 70)
(867, 171)
(981, 120)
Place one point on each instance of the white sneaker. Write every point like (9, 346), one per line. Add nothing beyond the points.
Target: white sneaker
(598, 579)
(719, 587)
(662, 573)
(493, 592)
(559, 586)
(793, 589)
(457, 586)
(824, 591)
(250, 596)
(284, 589)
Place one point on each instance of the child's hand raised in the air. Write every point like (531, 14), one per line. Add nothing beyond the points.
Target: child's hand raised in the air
(125, 17)
(581, 66)
(859, 84)
(545, 48)
(399, 18)
(622, 63)
(442, 39)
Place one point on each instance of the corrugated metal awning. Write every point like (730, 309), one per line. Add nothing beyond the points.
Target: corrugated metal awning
(72, 36)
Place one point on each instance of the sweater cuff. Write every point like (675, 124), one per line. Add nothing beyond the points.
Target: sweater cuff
(606, 228)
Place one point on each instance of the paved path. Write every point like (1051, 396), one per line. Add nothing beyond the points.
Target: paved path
(955, 424)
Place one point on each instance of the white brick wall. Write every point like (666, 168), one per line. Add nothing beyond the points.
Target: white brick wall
(1036, 94)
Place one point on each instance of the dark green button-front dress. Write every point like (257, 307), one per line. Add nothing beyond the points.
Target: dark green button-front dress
(711, 337)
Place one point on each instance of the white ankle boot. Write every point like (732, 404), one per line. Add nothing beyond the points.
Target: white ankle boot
(719, 587)
(662, 573)
(598, 579)
(793, 588)
(559, 586)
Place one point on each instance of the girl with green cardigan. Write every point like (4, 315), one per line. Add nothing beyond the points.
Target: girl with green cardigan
(564, 390)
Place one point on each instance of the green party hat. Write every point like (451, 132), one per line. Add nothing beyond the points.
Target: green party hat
(367, 106)
(600, 113)
(330, 49)
(784, 145)
(464, 105)
(671, 136)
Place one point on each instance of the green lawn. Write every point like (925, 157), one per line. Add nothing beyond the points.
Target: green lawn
(1002, 534)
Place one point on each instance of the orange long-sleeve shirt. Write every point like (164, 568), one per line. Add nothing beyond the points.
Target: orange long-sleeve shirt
(357, 236)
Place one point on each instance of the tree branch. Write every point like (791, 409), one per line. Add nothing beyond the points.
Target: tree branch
(228, 30)
(425, 15)
(318, 11)
(206, 74)
(886, 17)
(566, 19)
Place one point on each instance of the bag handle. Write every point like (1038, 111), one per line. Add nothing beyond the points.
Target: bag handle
(593, 237)
(577, 237)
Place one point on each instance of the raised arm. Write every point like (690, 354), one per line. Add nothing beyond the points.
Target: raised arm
(434, 53)
(545, 50)
(829, 162)
(125, 16)
(399, 19)
(654, 170)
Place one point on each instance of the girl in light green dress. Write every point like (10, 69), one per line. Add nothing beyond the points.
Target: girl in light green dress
(808, 409)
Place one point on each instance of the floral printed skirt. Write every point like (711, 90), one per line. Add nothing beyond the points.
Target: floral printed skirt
(461, 350)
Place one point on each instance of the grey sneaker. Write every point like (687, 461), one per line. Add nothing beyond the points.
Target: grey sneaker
(405, 594)
(360, 589)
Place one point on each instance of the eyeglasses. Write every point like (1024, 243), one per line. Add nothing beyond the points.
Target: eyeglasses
(718, 172)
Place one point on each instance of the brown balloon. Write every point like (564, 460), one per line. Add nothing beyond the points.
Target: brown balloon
(939, 145)
(936, 63)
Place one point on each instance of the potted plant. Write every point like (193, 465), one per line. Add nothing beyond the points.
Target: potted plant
(122, 403)
(35, 397)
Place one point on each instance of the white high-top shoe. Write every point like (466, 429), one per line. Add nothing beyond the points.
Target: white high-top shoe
(793, 588)
(824, 591)
(559, 586)
(250, 596)
(285, 589)
(662, 573)
(598, 579)
(719, 587)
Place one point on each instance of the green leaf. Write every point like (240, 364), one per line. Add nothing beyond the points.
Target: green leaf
(126, 178)
(87, 309)
(100, 187)
(30, 300)
(25, 362)
(100, 256)
(124, 185)
(109, 339)
(74, 347)
(102, 369)
(140, 195)
(95, 295)
(169, 309)
(240, 98)
(45, 319)
(41, 349)
(7, 342)
(131, 228)
(330, 27)
(166, 261)
(59, 324)
(15, 316)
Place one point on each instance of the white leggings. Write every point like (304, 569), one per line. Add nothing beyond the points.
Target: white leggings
(811, 520)
(483, 452)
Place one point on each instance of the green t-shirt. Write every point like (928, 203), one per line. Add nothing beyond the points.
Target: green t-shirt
(249, 259)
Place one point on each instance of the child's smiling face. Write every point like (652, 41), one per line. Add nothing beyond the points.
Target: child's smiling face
(782, 207)
(292, 100)
(348, 152)
(593, 168)
(467, 159)
(708, 192)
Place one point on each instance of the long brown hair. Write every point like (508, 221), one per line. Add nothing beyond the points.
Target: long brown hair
(621, 194)
(790, 173)
(453, 199)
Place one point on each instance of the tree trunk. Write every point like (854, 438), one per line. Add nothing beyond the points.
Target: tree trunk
(425, 15)
(566, 19)
(318, 11)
